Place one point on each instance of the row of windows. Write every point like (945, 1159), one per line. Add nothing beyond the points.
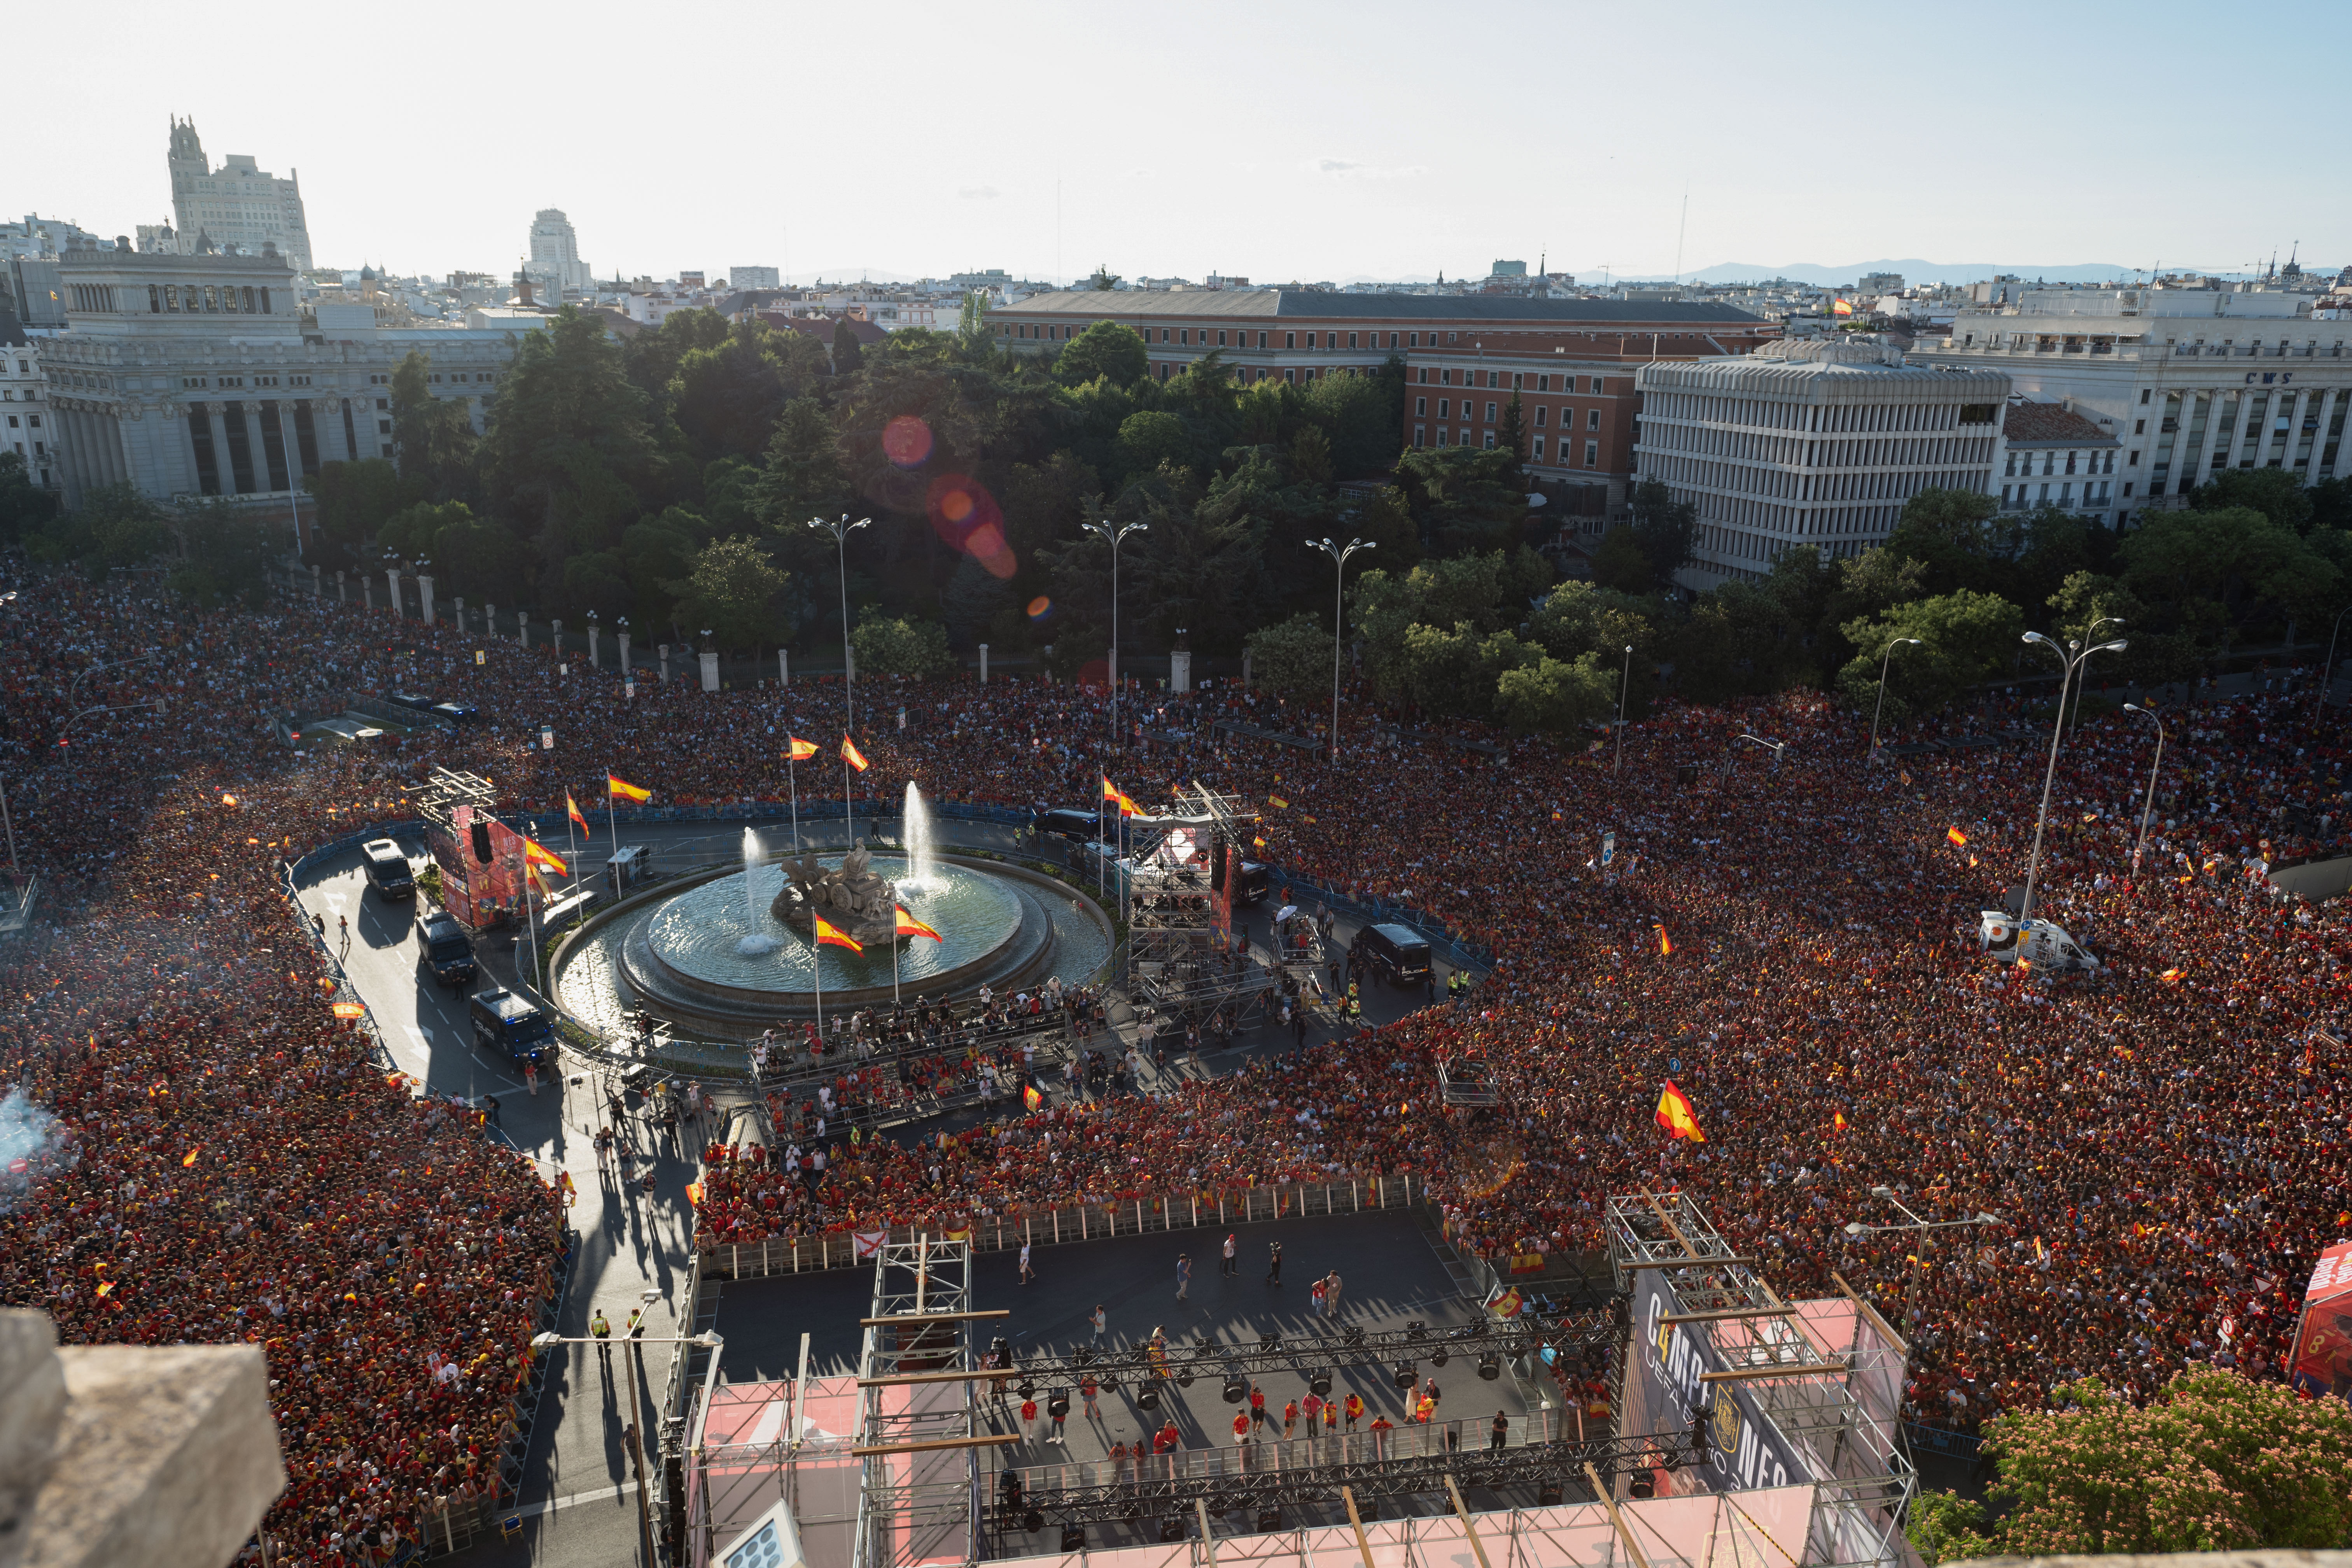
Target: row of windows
(1494, 378)
(1917, 451)
(1543, 413)
(1797, 486)
(1859, 418)
(2022, 463)
(202, 299)
(1421, 437)
(1198, 337)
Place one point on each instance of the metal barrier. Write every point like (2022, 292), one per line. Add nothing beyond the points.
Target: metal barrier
(1072, 1222)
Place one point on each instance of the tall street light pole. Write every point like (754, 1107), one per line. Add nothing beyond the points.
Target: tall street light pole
(1339, 554)
(1103, 530)
(1624, 682)
(2057, 730)
(841, 532)
(2327, 669)
(2149, 809)
(1874, 712)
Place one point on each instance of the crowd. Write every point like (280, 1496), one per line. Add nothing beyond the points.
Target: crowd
(1795, 944)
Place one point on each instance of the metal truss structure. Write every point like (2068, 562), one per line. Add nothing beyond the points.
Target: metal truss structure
(444, 791)
(1544, 1468)
(919, 1498)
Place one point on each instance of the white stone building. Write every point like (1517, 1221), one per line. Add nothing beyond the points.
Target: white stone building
(28, 426)
(555, 265)
(2051, 455)
(236, 206)
(2190, 381)
(193, 375)
(1816, 444)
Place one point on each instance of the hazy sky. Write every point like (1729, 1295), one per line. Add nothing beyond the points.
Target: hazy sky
(1271, 139)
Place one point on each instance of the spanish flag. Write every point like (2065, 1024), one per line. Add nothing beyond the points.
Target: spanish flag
(909, 926)
(1665, 943)
(799, 751)
(1127, 807)
(1030, 1098)
(616, 784)
(1843, 307)
(830, 936)
(1676, 1115)
(1959, 839)
(192, 1155)
(851, 754)
(694, 1193)
(1837, 1121)
(572, 808)
(535, 853)
(2173, 976)
(1277, 802)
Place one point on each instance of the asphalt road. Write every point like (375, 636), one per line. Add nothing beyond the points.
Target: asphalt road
(633, 1243)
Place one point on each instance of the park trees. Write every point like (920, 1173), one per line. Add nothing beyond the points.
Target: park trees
(1964, 638)
(1107, 350)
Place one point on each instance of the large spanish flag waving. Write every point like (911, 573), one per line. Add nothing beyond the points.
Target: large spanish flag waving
(535, 853)
(1127, 807)
(852, 755)
(1676, 1115)
(909, 926)
(799, 751)
(616, 784)
(571, 809)
(833, 936)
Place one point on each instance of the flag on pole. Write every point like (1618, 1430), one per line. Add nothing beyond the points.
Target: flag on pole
(828, 935)
(1837, 1121)
(1127, 807)
(851, 754)
(1665, 943)
(616, 784)
(192, 1155)
(1843, 307)
(1959, 839)
(1030, 1098)
(909, 926)
(799, 751)
(572, 808)
(1676, 1115)
(535, 853)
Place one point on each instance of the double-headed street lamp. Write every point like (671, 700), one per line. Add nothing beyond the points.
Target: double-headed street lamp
(1102, 529)
(1623, 682)
(1874, 712)
(2327, 669)
(841, 532)
(708, 1339)
(2149, 809)
(1339, 554)
(2073, 662)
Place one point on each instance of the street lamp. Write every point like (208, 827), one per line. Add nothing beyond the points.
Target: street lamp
(1624, 682)
(2327, 669)
(1775, 747)
(841, 532)
(1102, 529)
(1856, 1227)
(708, 1339)
(1874, 712)
(2057, 729)
(1339, 554)
(2149, 809)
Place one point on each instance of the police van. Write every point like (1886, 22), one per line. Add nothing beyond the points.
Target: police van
(505, 1022)
(387, 870)
(2040, 943)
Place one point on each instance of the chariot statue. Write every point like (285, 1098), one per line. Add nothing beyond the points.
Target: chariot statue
(851, 897)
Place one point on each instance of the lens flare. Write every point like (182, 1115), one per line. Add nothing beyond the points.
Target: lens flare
(906, 440)
(1040, 608)
(964, 514)
(956, 505)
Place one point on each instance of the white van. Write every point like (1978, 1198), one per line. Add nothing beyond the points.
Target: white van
(2040, 943)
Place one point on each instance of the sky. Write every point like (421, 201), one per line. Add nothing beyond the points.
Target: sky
(1273, 140)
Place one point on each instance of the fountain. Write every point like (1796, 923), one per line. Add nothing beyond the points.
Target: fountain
(922, 859)
(755, 943)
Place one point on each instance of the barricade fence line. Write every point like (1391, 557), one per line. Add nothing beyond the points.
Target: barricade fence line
(1068, 1224)
(1268, 1452)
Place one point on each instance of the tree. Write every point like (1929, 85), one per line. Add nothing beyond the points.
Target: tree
(1512, 437)
(1105, 279)
(355, 498)
(1294, 658)
(1107, 350)
(1553, 697)
(802, 477)
(1362, 415)
(1964, 638)
(972, 601)
(1955, 536)
(2217, 1462)
(728, 397)
(2276, 493)
(25, 506)
(1664, 529)
(1149, 439)
(1620, 562)
(481, 559)
(432, 437)
(1945, 1527)
(901, 647)
(847, 356)
(735, 590)
(114, 526)
(1467, 500)
(224, 556)
(2226, 570)
(1310, 456)
(414, 532)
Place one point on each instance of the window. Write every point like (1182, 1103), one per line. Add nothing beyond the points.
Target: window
(1592, 419)
(1540, 410)
(1490, 440)
(381, 403)
(2134, 461)
(154, 300)
(1417, 435)
(1451, 336)
(1392, 340)
(383, 427)
(1419, 407)
(1163, 334)
(1184, 335)
(1592, 453)
(1290, 339)
(1351, 340)
(1538, 448)
(1261, 338)
(1412, 340)
(1221, 337)
(1446, 375)
(1443, 408)
(1424, 375)
(2143, 396)
(1490, 414)
(1441, 434)
(1596, 387)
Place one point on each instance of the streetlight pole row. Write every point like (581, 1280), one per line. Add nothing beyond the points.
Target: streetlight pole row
(1102, 529)
(1339, 554)
(1874, 712)
(2149, 809)
(2057, 730)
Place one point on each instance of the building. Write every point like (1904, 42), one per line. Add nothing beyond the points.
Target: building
(47, 237)
(555, 265)
(2051, 455)
(2190, 381)
(193, 375)
(753, 278)
(27, 424)
(1813, 444)
(236, 208)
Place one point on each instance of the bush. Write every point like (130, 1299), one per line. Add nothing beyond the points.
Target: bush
(901, 647)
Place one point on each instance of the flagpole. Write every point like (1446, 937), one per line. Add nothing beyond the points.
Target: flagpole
(572, 838)
(612, 819)
(792, 777)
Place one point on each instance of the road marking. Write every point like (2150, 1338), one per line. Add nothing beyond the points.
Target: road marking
(422, 1038)
(569, 1500)
(335, 898)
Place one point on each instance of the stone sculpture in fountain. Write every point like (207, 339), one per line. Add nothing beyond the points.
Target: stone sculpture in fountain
(851, 897)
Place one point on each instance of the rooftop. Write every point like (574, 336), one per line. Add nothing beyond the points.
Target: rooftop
(1310, 304)
(2032, 423)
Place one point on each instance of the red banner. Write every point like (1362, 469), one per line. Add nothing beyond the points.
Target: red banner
(2322, 1339)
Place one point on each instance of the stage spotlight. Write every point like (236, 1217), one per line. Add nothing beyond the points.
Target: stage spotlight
(1000, 1351)
(1368, 1508)
(1320, 1382)
(1490, 1366)
(1108, 1384)
(1082, 1355)
(1269, 1519)
(1415, 1330)
(1405, 1375)
(1074, 1538)
(1236, 1390)
(1172, 1530)
(1479, 1327)
(1033, 1521)
(1057, 1402)
(1643, 1485)
(1270, 1340)
(1438, 1357)
(1028, 1389)
(1009, 1484)
(1548, 1493)
(1183, 1380)
(1352, 1334)
(1148, 1397)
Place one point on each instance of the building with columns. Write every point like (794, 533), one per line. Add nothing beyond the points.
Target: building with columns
(192, 376)
(236, 206)
(2189, 382)
(1815, 444)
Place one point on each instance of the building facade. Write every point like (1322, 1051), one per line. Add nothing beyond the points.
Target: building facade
(753, 278)
(2190, 381)
(28, 426)
(555, 265)
(1816, 444)
(192, 376)
(236, 206)
(2051, 455)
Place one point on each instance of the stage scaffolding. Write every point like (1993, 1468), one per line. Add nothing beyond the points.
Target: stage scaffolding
(916, 1505)
(1176, 964)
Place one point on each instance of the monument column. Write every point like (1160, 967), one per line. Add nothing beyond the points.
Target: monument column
(522, 628)
(710, 670)
(984, 664)
(392, 575)
(425, 596)
(594, 660)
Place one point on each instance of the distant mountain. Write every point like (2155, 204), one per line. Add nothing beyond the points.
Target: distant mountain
(1914, 271)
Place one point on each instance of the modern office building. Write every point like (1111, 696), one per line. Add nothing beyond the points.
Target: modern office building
(236, 206)
(2188, 381)
(1815, 443)
(740, 277)
(555, 265)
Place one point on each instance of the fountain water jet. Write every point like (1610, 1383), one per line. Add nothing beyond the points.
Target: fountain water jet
(922, 856)
(756, 942)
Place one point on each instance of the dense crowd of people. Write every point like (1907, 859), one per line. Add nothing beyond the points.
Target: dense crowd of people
(1794, 943)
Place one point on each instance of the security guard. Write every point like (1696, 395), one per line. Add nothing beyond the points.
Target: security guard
(601, 1331)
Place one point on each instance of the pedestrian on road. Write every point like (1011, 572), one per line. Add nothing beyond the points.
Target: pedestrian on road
(1089, 1389)
(1315, 1296)
(490, 1106)
(601, 1330)
(1274, 1270)
(530, 1078)
(1241, 1429)
(1183, 1275)
(1060, 1412)
(1233, 1264)
(344, 923)
(1028, 1275)
(1028, 1420)
(319, 925)
(1099, 1317)
(1290, 1419)
(1331, 1417)
(1355, 1409)
(1331, 1294)
(1429, 1389)
(1502, 1430)
(1257, 1406)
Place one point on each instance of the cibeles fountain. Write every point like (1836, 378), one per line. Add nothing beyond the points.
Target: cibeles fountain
(733, 948)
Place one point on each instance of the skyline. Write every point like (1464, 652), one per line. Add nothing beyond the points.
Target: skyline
(1293, 158)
